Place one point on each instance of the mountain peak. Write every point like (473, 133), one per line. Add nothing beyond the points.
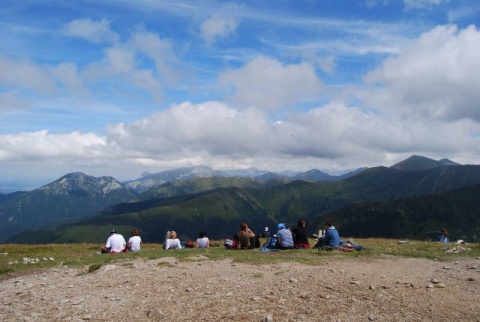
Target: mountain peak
(418, 162)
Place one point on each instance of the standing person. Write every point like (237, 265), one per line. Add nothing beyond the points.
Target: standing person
(171, 241)
(202, 240)
(246, 237)
(443, 236)
(300, 239)
(134, 242)
(115, 243)
(331, 238)
(284, 237)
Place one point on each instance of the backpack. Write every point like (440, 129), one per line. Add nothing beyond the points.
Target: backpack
(230, 243)
(271, 242)
(189, 244)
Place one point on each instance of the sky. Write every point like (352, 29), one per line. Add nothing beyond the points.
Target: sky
(116, 87)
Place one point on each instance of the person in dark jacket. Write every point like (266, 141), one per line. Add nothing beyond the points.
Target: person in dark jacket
(300, 238)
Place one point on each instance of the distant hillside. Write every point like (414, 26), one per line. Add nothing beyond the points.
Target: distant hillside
(197, 185)
(416, 217)
(150, 181)
(69, 198)
(382, 183)
(416, 162)
(218, 204)
(221, 210)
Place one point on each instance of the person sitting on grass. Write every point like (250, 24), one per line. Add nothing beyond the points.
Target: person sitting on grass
(331, 240)
(134, 242)
(300, 239)
(171, 241)
(115, 243)
(284, 237)
(443, 236)
(246, 237)
(202, 240)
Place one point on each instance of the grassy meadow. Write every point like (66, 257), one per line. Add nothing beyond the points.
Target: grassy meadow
(85, 255)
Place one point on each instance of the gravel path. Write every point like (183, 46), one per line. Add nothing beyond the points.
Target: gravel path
(392, 289)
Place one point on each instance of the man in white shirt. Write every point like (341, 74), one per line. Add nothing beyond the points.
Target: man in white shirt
(115, 243)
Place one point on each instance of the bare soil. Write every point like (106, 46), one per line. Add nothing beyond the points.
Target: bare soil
(389, 289)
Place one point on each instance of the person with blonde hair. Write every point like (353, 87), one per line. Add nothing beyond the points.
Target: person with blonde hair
(171, 241)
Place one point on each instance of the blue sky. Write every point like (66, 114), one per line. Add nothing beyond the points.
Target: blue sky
(122, 87)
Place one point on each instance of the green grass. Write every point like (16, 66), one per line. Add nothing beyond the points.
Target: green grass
(85, 255)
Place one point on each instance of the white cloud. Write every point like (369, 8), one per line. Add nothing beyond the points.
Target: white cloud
(437, 77)
(93, 31)
(41, 145)
(220, 136)
(25, 74)
(267, 84)
(217, 27)
(417, 4)
(160, 51)
(12, 100)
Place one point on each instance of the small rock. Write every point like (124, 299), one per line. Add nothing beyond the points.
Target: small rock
(293, 280)
(440, 285)
(87, 317)
(371, 287)
(434, 281)
(355, 282)
(430, 286)
(256, 298)
(155, 314)
(446, 267)
(108, 267)
(471, 279)
(268, 318)
(189, 289)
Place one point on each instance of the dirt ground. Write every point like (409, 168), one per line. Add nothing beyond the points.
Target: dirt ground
(390, 289)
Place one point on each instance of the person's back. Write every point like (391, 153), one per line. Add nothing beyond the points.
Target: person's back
(443, 236)
(300, 238)
(284, 237)
(245, 236)
(116, 243)
(172, 242)
(202, 240)
(134, 242)
(332, 238)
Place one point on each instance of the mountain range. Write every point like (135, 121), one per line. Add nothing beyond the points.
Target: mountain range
(79, 208)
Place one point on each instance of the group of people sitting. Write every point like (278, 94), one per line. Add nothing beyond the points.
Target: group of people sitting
(172, 242)
(298, 237)
(285, 238)
(116, 243)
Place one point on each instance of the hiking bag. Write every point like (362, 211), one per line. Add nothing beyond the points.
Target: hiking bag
(230, 243)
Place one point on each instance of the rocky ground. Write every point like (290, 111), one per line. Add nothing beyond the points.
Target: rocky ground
(390, 289)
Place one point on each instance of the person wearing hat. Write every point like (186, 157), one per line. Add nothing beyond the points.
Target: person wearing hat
(284, 237)
(266, 233)
(115, 243)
